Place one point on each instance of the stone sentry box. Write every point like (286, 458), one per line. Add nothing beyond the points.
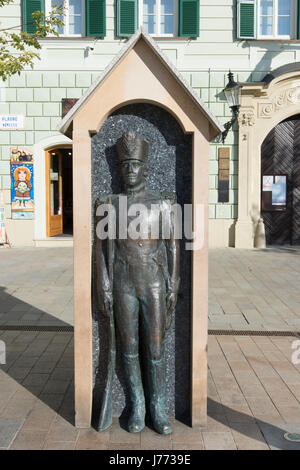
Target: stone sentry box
(141, 91)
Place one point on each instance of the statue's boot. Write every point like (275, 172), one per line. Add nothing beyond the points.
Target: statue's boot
(156, 371)
(136, 421)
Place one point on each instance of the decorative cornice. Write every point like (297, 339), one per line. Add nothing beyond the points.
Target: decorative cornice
(286, 98)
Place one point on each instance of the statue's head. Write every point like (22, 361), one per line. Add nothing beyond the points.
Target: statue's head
(133, 155)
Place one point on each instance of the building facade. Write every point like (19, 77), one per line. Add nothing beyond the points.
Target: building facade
(253, 175)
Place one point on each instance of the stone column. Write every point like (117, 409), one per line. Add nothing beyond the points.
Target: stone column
(244, 225)
(82, 277)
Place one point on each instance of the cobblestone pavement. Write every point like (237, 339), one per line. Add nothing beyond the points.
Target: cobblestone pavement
(248, 289)
(36, 286)
(254, 398)
(254, 388)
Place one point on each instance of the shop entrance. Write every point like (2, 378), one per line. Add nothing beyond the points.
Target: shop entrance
(280, 189)
(59, 191)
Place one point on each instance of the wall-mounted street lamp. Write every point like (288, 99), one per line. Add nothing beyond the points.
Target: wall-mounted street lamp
(232, 93)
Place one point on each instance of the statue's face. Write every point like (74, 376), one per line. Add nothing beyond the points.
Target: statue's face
(132, 172)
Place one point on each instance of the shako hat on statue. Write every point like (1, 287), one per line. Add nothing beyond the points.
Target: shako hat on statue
(132, 147)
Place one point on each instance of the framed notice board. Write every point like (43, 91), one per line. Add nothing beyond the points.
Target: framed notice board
(274, 193)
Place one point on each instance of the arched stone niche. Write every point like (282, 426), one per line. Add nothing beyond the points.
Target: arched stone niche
(263, 106)
(139, 74)
(170, 169)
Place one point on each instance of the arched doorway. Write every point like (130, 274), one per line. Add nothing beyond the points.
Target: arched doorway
(280, 185)
(264, 105)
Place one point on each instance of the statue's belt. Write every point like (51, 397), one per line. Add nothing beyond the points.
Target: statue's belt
(127, 256)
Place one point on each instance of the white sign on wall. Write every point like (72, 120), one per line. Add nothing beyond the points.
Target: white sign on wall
(11, 121)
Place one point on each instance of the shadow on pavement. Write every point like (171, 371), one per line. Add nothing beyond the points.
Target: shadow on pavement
(241, 422)
(294, 249)
(43, 363)
(16, 312)
(39, 353)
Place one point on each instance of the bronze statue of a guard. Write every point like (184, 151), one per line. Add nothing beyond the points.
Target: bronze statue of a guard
(137, 284)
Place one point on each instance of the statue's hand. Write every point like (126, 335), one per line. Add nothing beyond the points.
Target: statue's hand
(108, 303)
(171, 304)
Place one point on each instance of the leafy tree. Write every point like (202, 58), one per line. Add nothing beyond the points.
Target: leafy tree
(19, 49)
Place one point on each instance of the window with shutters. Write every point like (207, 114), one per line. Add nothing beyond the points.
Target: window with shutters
(276, 19)
(74, 18)
(28, 7)
(159, 17)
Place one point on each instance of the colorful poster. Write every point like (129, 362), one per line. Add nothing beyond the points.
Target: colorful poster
(279, 191)
(18, 154)
(22, 193)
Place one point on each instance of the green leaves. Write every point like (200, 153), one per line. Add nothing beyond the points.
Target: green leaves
(20, 49)
(5, 2)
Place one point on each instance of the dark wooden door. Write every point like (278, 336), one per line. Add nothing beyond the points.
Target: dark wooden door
(280, 154)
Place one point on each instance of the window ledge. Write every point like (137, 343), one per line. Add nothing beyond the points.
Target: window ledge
(166, 38)
(73, 38)
(91, 38)
(271, 40)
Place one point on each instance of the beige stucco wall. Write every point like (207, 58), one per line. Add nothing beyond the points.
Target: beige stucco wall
(221, 232)
(20, 232)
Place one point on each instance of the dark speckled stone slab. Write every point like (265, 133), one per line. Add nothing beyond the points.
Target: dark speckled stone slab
(170, 169)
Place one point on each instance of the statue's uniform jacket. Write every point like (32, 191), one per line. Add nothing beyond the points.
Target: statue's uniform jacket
(142, 277)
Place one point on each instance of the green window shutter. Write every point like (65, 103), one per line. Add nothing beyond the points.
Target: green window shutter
(188, 18)
(127, 17)
(298, 19)
(95, 18)
(29, 7)
(246, 19)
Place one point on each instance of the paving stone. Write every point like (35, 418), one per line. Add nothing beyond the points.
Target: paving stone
(62, 374)
(189, 446)
(152, 440)
(217, 423)
(15, 409)
(29, 439)
(290, 414)
(58, 445)
(53, 400)
(56, 386)
(118, 435)
(40, 417)
(62, 431)
(183, 434)
(274, 435)
(125, 447)
(19, 373)
(238, 414)
(43, 367)
(8, 430)
(218, 441)
(35, 379)
(249, 377)
(90, 439)
(248, 436)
